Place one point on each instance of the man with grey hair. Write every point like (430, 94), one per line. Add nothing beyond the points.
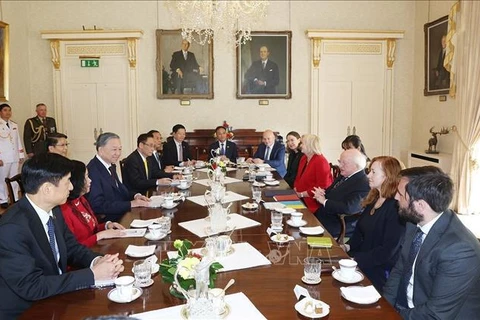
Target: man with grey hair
(270, 152)
(345, 194)
(108, 196)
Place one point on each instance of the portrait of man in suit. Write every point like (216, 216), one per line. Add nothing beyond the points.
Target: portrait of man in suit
(437, 77)
(263, 66)
(186, 70)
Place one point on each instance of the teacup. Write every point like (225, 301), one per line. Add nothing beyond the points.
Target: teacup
(261, 169)
(347, 268)
(223, 245)
(183, 183)
(269, 176)
(217, 295)
(240, 160)
(168, 201)
(155, 230)
(296, 217)
(187, 170)
(124, 287)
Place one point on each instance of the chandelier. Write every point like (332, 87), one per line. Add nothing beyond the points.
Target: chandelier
(229, 21)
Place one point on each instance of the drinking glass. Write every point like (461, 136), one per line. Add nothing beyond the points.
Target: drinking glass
(277, 218)
(312, 269)
(211, 247)
(143, 273)
(257, 194)
(165, 224)
(251, 173)
(223, 245)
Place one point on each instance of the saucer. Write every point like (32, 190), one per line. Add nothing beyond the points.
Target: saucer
(271, 182)
(184, 188)
(301, 307)
(364, 298)
(149, 236)
(150, 282)
(304, 280)
(280, 238)
(358, 276)
(185, 315)
(169, 207)
(113, 295)
(269, 179)
(296, 225)
(311, 231)
(155, 268)
(250, 206)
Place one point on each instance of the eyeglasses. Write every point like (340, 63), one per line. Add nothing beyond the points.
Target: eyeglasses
(62, 145)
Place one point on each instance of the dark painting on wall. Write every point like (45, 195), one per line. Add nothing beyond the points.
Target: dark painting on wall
(437, 78)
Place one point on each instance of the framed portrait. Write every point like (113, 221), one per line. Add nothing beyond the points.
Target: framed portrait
(264, 66)
(4, 61)
(184, 70)
(437, 78)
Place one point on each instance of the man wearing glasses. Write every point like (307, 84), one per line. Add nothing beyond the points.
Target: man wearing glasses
(140, 171)
(57, 143)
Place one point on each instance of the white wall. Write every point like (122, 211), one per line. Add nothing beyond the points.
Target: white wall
(31, 69)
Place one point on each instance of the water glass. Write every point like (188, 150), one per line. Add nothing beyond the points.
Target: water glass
(257, 194)
(312, 269)
(143, 273)
(277, 218)
(223, 245)
(211, 247)
(251, 173)
(165, 224)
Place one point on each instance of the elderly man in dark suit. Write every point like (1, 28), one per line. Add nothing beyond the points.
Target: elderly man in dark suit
(108, 196)
(141, 172)
(36, 245)
(262, 77)
(185, 69)
(437, 275)
(176, 151)
(36, 131)
(270, 152)
(226, 149)
(345, 194)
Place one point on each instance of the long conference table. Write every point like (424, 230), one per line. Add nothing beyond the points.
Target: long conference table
(269, 288)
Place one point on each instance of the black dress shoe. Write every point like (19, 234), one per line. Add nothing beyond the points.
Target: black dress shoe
(4, 205)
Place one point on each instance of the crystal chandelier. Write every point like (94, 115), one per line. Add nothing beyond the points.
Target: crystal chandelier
(228, 21)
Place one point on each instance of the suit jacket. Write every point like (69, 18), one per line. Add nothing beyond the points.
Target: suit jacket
(178, 62)
(292, 167)
(256, 72)
(376, 241)
(134, 176)
(34, 134)
(447, 272)
(231, 151)
(343, 199)
(28, 270)
(170, 155)
(277, 157)
(107, 197)
(316, 173)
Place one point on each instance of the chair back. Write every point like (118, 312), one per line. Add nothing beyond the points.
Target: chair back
(11, 196)
(122, 168)
(335, 170)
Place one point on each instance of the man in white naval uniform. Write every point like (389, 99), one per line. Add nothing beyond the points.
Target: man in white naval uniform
(11, 152)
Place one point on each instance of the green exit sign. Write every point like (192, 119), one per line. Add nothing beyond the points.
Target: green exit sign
(90, 63)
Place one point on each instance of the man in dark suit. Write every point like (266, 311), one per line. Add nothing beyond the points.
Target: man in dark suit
(270, 152)
(36, 130)
(176, 151)
(345, 194)
(108, 196)
(437, 275)
(442, 76)
(158, 151)
(36, 245)
(226, 149)
(141, 171)
(262, 77)
(185, 69)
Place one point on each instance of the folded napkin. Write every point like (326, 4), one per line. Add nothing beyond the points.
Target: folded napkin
(140, 251)
(273, 205)
(359, 294)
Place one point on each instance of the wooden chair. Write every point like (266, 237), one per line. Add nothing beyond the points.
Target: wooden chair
(335, 170)
(18, 179)
(122, 167)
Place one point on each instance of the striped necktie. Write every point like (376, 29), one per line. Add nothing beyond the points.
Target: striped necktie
(146, 167)
(51, 236)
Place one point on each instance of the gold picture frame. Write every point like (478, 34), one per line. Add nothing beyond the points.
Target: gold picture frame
(4, 61)
(196, 81)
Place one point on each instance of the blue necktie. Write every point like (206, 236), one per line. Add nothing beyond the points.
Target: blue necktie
(267, 154)
(222, 149)
(51, 236)
(402, 302)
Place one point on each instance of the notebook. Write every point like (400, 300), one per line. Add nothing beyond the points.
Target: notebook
(293, 204)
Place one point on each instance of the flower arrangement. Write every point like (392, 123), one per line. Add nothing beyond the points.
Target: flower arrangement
(217, 162)
(189, 261)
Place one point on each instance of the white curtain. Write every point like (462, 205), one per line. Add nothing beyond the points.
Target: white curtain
(466, 155)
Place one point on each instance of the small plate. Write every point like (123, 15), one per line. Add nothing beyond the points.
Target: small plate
(272, 182)
(280, 238)
(113, 295)
(258, 184)
(300, 307)
(169, 207)
(296, 225)
(223, 315)
(250, 206)
(363, 300)
(147, 284)
(149, 236)
(285, 210)
(311, 231)
(357, 278)
(155, 268)
(304, 280)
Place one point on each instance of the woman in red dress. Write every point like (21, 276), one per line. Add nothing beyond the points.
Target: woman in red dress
(78, 214)
(313, 171)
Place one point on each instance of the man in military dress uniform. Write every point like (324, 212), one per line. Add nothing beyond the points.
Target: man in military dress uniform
(36, 131)
(11, 152)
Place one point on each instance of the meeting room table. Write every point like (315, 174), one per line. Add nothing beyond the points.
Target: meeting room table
(269, 287)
